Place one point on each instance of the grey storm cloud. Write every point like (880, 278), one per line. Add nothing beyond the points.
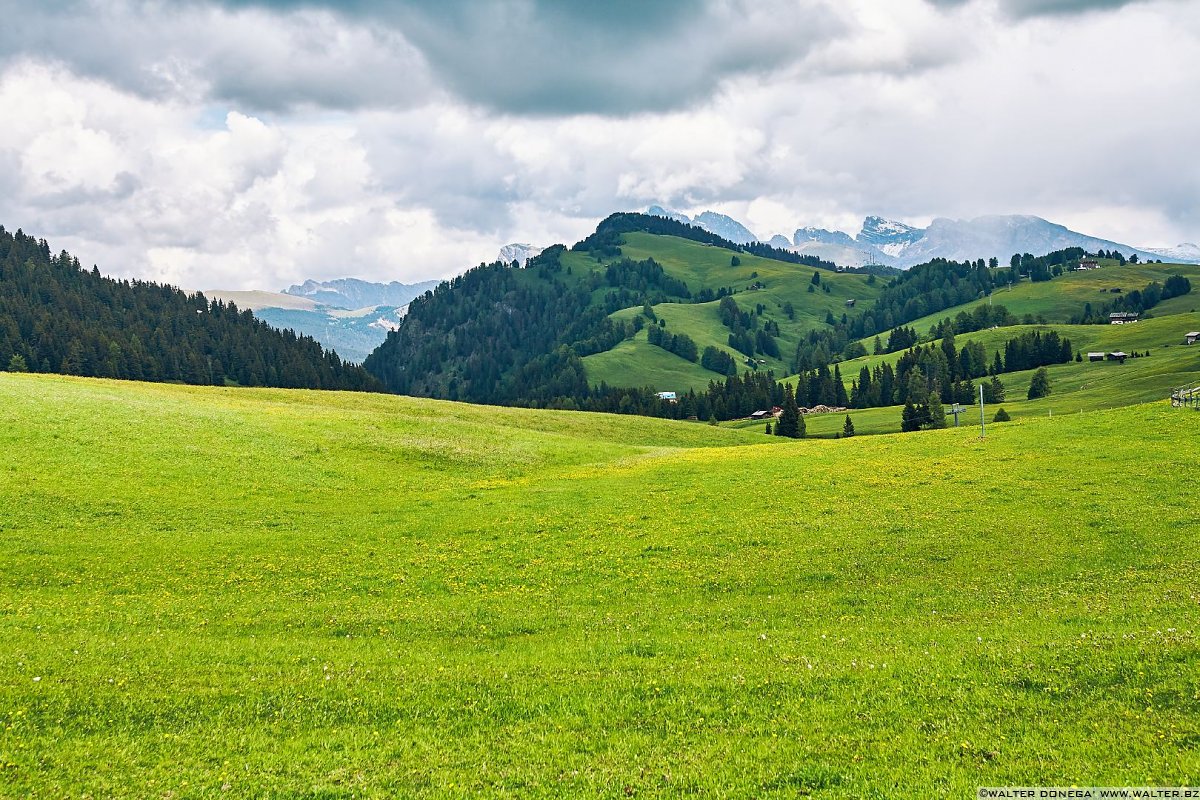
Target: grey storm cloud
(581, 56)
(1035, 8)
(514, 56)
(201, 51)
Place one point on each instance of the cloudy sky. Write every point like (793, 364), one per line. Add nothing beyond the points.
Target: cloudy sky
(244, 144)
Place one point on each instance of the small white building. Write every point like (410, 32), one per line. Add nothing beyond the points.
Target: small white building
(668, 396)
(1191, 338)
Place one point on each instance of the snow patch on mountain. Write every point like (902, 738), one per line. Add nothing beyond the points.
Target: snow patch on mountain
(1186, 251)
(519, 252)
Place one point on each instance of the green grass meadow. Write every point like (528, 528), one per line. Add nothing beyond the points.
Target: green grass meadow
(265, 593)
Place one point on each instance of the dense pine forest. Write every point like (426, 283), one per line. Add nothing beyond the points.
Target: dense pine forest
(57, 317)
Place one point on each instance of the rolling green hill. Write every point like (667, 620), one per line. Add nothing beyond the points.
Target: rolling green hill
(551, 334)
(251, 592)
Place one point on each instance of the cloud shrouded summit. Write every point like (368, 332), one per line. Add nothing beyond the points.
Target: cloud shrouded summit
(264, 143)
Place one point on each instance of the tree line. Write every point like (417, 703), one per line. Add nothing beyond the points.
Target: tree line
(57, 317)
(941, 367)
(1138, 300)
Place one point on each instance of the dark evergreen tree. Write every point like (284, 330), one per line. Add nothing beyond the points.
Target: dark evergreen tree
(789, 418)
(1040, 385)
(936, 411)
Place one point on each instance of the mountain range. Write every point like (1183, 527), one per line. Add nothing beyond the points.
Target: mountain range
(347, 315)
(897, 244)
(352, 293)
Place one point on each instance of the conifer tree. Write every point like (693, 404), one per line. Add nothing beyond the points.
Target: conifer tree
(789, 419)
(839, 388)
(909, 419)
(1040, 385)
(937, 412)
(848, 428)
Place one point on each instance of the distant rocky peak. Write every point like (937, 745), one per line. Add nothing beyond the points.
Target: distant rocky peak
(726, 227)
(804, 235)
(659, 211)
(878, 230)
(518, 251)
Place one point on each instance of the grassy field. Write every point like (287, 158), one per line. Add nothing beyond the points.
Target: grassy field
(244, 593)
(636, 362)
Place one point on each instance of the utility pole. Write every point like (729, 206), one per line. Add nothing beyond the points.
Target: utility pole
(982, 426)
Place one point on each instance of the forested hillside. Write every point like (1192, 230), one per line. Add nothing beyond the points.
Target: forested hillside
(57, 317)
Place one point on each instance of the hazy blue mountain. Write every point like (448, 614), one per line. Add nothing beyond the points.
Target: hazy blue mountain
(352, 334)
(322, 310)
(780, 241)
(352, 293)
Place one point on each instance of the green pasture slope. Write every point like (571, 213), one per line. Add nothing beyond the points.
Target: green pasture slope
(1060, 299)
(636, 362)
(265, 593)
(1076, 386)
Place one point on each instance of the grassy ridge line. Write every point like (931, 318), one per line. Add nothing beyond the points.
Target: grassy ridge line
(888, 616)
